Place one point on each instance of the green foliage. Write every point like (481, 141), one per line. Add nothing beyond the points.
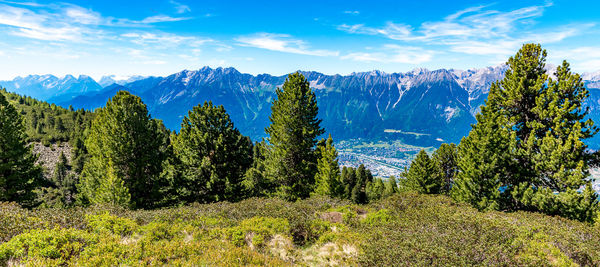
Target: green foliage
(380, 217)
(292, 159)
(424, 176)
(255, 182)
(104, 222)
(446, 159)
(214, 156)
(375, 190)
(328, 171)
(19, 175)
(391, 187)
(125, 137)
(257, 230)
(403, 230)
(48, 123)
(528, 140)
(348, 181)
(58, 244)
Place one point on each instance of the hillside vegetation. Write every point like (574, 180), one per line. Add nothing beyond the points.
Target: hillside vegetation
(404, 230)
(130, 193)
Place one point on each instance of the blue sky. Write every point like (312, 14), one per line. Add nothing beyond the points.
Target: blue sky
(161, 37)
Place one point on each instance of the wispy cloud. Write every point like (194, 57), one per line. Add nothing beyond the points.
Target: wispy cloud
(391, 53)
(282, 43)
(476, 30)
(352, 12)
(166, 39)
(162, 18)
(65, 22)
(180, 8)
(27, 23)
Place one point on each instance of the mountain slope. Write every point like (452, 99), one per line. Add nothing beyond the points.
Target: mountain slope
(420, 107)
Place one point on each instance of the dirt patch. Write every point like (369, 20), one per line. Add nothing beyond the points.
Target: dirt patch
(332, 216)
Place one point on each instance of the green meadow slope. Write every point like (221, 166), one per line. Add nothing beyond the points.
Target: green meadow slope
(405, 229)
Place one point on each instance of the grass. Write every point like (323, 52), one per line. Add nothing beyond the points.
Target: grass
(403, 230)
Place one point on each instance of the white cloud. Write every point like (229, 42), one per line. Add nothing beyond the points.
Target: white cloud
(27, 23)
(164, 39)
(352, 12)
(84, 16)
(282, 43)
(476, 30)
(161, 18)
(180, 8)
(391, 53)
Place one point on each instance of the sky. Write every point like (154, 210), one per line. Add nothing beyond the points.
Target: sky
(161, 37)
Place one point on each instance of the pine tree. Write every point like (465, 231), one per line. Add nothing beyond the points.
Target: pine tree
(291, 163)
(112, 190)
(124, 135)
(375, 190)
(328, 174)
(255, 182)
(543, 125)
(359, 192)
(484, 157)
(445, 157)
(348, 181)
(423, 175)
(19, 175)
(391, 187)
(214, 155)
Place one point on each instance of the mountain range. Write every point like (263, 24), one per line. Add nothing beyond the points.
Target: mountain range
(421, 107)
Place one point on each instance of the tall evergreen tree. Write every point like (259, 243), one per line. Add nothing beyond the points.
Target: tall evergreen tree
(214, 155)
(348, 181)
(423, 175)
(124, 135)
(391, 187)
(292, 159)
(541, 148)
(19, 174)
(445, 157)
(359, 192)
(328, 174)
(255, 182)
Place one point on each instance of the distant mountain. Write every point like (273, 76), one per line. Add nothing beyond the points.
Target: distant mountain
(113, 79)
(421, 107)
(46, 87)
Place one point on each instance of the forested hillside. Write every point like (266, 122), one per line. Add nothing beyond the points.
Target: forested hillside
(514, 191)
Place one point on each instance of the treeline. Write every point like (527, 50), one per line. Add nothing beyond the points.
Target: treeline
(124, 157)
(526, 151)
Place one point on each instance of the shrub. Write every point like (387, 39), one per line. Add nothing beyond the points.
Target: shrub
(58, 243)
(105, 222)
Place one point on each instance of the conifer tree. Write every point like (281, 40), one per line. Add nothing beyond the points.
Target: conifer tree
(375, 190)
(255, 182)
(328, 174)
(214, 155)
(445, 157)
(423, 175)
(291, 163)
(391, 187)
(538, 126)
(124, 135)
(348, 181)
(112, 190)
(359, 192)
(19, 174)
